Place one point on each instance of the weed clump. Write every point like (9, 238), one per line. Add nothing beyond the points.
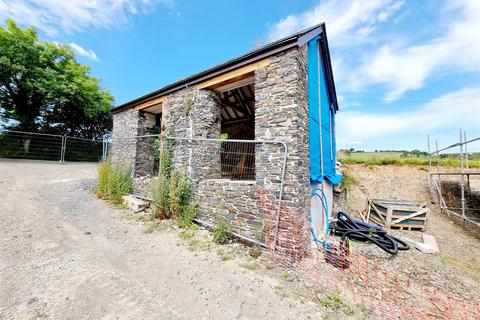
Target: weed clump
(336, 302)
(255, 252)
(188, 234)
(226, 255)
(221, 231)
(348, 181)
(113, 182)
(250, 266)
(188, 214)
(287, 277)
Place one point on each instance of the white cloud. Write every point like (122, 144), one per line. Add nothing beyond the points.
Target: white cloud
(53, 16)
(83, 52)
(367, 55)
(407, 67)
(450, 111)
(346, 20)
(391, 60)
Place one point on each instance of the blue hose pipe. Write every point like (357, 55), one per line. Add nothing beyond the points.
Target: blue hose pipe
(323, 199)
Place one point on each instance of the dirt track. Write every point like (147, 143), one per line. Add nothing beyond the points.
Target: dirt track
(66, 255)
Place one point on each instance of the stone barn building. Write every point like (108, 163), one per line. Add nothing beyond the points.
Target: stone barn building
(280, 99)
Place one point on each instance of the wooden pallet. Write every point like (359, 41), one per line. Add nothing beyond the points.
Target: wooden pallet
(396, 214)
(394, 227)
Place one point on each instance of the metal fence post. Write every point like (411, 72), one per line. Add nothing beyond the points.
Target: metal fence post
(103, 148)
(466, 152)
(62, 149)
(440, 197)
(462, 183)
(429, 166)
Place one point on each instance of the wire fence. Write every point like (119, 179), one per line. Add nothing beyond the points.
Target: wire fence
(80, 149)
(457, 190)
(228, 173)
(138, 154)
(41, 146)
(231, 159)
(235, 159)
(225, 174)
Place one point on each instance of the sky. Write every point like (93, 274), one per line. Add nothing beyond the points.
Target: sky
(402, 69)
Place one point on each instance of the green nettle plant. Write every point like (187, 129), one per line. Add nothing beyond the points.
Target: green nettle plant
(160, 191)
(172, 191)
(221, 232)
(188, 215)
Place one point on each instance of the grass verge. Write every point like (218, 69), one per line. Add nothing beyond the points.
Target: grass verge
(378, 159)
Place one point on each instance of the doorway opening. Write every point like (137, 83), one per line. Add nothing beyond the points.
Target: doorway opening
(238, 123)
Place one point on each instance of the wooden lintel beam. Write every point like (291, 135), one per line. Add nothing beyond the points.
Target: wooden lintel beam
(236, 74)
(150, 103)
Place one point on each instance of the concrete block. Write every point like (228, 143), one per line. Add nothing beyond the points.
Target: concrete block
(134, 203)
(429, 244)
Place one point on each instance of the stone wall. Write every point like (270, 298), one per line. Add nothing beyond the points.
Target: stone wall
(237, 201)
(125, 127)
(128, 151)
(206, 123)
(281, 113)
(195, 113)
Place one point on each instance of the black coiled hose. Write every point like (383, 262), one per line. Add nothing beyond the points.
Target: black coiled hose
(355, 229)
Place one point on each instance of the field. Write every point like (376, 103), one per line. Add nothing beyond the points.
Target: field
(401, 158)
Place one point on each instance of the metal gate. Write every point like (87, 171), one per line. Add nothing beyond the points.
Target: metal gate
(42, 146)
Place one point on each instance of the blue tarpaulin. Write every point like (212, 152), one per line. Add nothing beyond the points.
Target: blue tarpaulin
(322, 138)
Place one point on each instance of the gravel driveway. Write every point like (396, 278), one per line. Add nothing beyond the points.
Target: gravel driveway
(66, 255)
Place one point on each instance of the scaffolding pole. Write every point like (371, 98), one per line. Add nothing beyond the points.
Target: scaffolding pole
(462, 178)
(440, 197)
(429, 168)
(466, 151)
(435, 178)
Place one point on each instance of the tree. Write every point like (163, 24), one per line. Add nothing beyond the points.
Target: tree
(417, 153)
(44, 89)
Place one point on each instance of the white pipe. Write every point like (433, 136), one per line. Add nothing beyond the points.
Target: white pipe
(319, 106)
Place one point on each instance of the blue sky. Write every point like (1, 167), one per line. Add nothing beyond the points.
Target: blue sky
(402, 68)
